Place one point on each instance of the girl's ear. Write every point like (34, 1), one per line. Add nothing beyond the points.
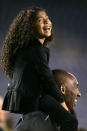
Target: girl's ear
(63, 89)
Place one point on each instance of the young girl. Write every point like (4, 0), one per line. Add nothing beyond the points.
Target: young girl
(25, 58)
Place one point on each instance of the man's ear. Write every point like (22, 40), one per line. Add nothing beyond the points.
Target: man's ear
(63, 89)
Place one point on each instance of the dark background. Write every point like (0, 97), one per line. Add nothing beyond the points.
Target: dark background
(68, 51)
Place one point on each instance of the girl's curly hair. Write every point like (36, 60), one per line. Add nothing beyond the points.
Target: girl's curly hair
(20, 33)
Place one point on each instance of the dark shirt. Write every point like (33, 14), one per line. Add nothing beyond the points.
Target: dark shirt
(31, 78)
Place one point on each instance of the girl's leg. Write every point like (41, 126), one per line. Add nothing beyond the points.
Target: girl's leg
(51, 106)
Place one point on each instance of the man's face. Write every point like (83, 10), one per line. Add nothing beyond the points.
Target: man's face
(72, 93)
(43, 25)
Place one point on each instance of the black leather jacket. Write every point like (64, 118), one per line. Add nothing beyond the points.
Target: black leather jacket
(31, 78)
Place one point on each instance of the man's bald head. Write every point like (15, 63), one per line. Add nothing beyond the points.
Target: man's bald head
(61, 77)
(68, 85)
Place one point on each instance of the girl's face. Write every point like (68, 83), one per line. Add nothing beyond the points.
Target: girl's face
(43, 26)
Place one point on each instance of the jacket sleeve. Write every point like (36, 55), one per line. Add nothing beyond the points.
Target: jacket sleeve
(38, 57)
